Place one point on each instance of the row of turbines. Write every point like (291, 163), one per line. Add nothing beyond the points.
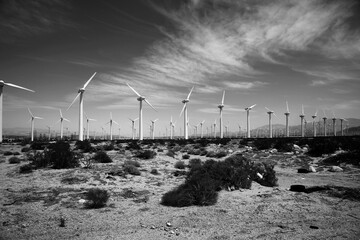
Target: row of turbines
(183, 112)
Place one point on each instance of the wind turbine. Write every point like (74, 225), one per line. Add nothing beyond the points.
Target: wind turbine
(214, 128)
(153, 128)
(171, 128)
(302, 115)
(81, 106)
(270, 112)
(334, 123)
(133, 127)
(32, 119)
(314, 123)
(324, 118)
(248, 119)
(88, 126)
(61, 123)
(287, 114)
(184, 109)
(110, 123)
(2, 83)
(239, 130)
(140, 99)
(226, 131)
(49, 133)
(201, 128)
(341, 125)
(221, 106)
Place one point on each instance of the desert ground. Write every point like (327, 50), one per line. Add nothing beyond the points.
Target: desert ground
(33, 205)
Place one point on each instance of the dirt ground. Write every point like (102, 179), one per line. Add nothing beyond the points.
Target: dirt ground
(32, 204)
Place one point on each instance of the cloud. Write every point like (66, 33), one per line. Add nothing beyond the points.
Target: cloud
(21, 19)
(244, 85)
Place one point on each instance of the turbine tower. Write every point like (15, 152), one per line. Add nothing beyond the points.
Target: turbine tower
(184, 110)
(239, 130)
(81, 107)
(153, 128)
(341, 125)
(133, 127)
(201, 128)
(324, 118)
(171, 128)
(214, 128)
(334, 124)
(49, 132)
(2, 83)
(61, 124)
(248, 119)
(302, 115)
(88, 126)
(221, 106)
(287, 114)
(140, 99)
(270, 112)
(32, 119)
(110, 123)
(314, 123)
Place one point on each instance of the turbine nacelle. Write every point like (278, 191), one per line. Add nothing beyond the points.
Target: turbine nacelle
(185, 101)
(141, 98)
(221, 106)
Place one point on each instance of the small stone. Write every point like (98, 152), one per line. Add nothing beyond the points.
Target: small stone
(82, 201)
(172, 232)
(168, 224)
(335, 169)
(152, 227)
(297, 188)
(314, 227)
(311, 169)
(23, 225)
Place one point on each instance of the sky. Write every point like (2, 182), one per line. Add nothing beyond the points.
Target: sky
(260, 52)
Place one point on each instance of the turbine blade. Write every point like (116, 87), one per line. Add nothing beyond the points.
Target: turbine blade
(57, 121)
(30, 113)
(17, 86)
(38, 117)
(131, 119)
(156, 120)
(268, 109)
(188, 97)
(136, 119)
(302, 109)
(73, 101)
(88, 81)
(66, 119)
(107, 123)
(110, 115)
(182, 110)
(252, 106)
(150, 104)
(287, 107)
(134, 90)
(203, 122)
(91, 119)
(60, 113)
(116, 123)
(277, 116)
(222, 101)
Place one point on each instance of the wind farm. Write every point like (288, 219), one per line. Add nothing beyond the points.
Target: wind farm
(196, 119)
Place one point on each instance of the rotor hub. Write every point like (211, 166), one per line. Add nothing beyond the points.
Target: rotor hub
(185, 101)
(81, 90)
(141, 98)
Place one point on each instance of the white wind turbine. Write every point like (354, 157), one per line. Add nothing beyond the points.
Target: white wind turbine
(153, 128)
(110, 122)
(314, 123)
(270, 112)
(334, 123)
(221, 106)
(81, 107)
(195, 129)
(287, 114)
(133, 127)
(61, 123)
(140, 99)
(302, 115)
(324, 118)
(171, 128)
(248, 119)
(88, 126)
(2, 83)
(239, 130)
(201, 128)
(341, 125)
(32, 119)
(184, 109)
(49, 132)
(214, 124)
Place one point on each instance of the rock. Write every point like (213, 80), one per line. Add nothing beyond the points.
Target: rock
(305, 149)
(230, 151)
(307, 169)
(82, 201)
(296, 147)
(314, 227)
(172, 232)
(152, 227)
(273, 150)
(168, 224)
(297, 188)
(335, 169)
(311, 169)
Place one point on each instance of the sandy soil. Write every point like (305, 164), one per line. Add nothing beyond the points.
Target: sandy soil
(32, 204)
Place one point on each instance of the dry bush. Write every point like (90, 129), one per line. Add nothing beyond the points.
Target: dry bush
(131, 169)
(97, 198)
(186, 156)
(145, 154)
(14, 160)
(132, 162)
(27, 168)
(102, 157)
(179, 165)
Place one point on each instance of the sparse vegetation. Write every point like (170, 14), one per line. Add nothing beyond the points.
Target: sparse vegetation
(131, 169)
(146, 154)
(351, 157)
(221, 154)
(102, 157)
(170, 153)
(27, 168)
(85, 146)
(14, 160)
(132, 162)
(195, 163)
(8, 153)
(154, 171)
(179, 165)
(25, 149)
(186, 156)
(97, 198)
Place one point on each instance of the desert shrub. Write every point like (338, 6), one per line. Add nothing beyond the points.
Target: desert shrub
(176, 148)
(211, 154)
(8, 153)
(262, 144)
(186, 156)
(170, 153)
(108, 147)
(319, 147)
(194, 151)
(146, 154)
(39, 159)
(102, 157)
(38, 145)
(133, 146)
(266, 169)
(61, 156)
(194, 163)
(221, 154)
(179, 165)
(160, 150)
(25, 149)
(132, 162)
(97, 198)
(85, 146)
(154, 171)
(283, 145)
(14, 160)
(203, 153)
(131, 169)
(27, 168)
(352, 157)
(16, 153)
